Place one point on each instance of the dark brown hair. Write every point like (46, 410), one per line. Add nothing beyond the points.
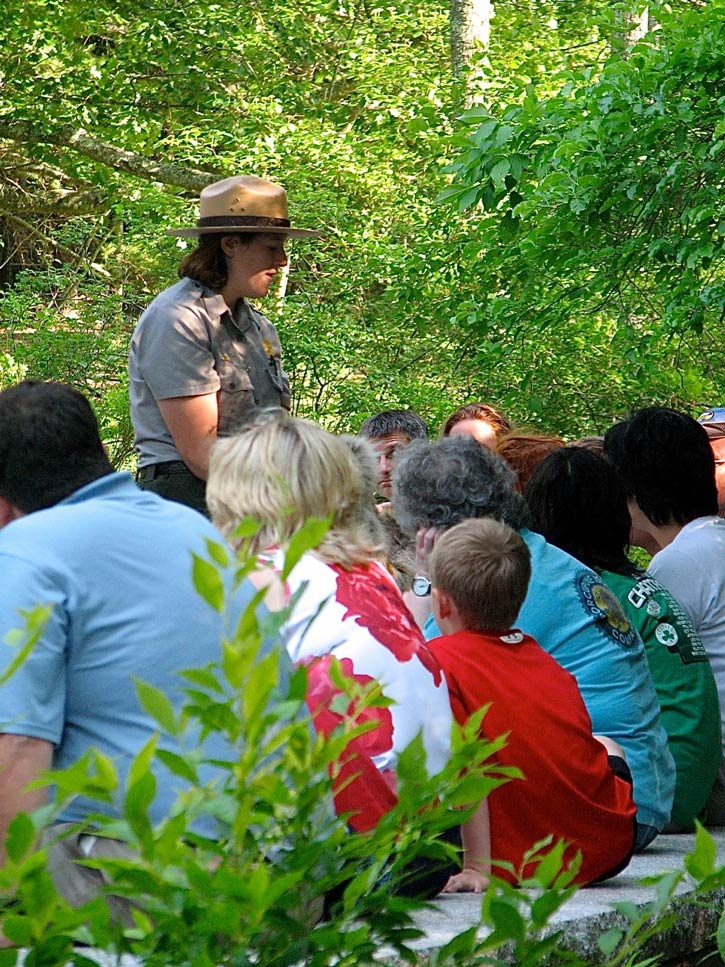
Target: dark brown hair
(208, 263)
(578, 503)
(665, 462)
(49, 444)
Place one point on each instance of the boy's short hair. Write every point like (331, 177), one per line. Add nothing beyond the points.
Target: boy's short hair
(485, 566)
(50, 445)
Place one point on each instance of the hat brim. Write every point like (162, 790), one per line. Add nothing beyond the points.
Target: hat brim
(244, 230)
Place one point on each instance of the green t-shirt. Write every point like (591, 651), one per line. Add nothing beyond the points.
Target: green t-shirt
(684, 683)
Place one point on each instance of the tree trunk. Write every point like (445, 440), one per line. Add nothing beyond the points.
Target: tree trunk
(470, 32)
(635, 24)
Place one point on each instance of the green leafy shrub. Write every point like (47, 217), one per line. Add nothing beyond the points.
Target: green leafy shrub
(599, 223)
(254, 895)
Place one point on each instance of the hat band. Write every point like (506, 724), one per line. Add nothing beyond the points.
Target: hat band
(242, 221)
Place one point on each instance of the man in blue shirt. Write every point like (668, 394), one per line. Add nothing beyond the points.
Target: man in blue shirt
(115, 565)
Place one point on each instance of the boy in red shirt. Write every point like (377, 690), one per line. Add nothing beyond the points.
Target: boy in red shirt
(572, 790)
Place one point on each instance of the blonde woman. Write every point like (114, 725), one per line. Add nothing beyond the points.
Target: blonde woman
(283, 471)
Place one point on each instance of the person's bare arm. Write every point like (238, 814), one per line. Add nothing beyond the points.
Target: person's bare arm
(476, 836)
(22, 760)
(192, 422)
(264, 578)
(418, 607)
(425, 540)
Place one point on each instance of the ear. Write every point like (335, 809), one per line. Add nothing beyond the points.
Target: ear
(230, 243)
(8, 512)
(441, 603)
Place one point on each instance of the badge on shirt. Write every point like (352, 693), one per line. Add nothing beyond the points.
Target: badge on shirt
(604, 606)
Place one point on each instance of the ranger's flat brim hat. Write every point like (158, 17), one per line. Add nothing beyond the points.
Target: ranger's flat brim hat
(244, 204)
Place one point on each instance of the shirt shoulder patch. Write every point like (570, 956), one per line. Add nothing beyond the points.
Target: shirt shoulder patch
(603, 605)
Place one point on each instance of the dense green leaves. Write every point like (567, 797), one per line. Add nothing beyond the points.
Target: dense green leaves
(590, 281)
(20, 837)
(602, 221)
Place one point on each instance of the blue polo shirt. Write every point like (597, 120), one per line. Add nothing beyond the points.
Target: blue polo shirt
(574, 616)
(115, 563)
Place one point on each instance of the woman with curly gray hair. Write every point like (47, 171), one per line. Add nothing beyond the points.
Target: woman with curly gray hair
(441, 484)
(568, 608)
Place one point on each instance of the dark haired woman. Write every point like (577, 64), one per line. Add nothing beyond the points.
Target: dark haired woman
(577, 502)
(202, 359)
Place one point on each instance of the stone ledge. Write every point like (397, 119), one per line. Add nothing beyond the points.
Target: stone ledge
(589, 913)
(582, 919)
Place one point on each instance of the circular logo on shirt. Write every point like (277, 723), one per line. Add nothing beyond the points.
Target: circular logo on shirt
(654, 609)
(602, 604)
(666, 634)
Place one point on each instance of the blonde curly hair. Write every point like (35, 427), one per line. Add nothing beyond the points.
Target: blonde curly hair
(282, 471)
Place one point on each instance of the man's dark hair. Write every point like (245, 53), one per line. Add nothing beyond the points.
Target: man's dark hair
(441, 484)
(49, 444)
(395, 421)
(578, 503)
(666, 464)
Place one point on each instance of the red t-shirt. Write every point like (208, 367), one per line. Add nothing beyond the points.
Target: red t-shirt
(569, 790)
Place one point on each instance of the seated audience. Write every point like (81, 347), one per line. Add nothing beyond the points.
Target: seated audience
(523, 452)
(282, 472)
(714, 423)
(115, 565)
(667, 467)
(570, 789)
(568, 609)
(479, 420)
(577, 502)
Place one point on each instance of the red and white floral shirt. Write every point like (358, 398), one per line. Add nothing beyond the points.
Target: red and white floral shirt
(359, 617)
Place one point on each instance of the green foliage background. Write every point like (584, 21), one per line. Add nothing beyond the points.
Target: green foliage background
(554, 248)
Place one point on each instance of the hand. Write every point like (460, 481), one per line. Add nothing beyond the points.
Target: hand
(467, 881)
(424, 543)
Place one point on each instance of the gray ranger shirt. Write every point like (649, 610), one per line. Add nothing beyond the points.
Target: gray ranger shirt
(188, 343)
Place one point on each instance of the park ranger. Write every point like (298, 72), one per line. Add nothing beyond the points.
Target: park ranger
(202, 358)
